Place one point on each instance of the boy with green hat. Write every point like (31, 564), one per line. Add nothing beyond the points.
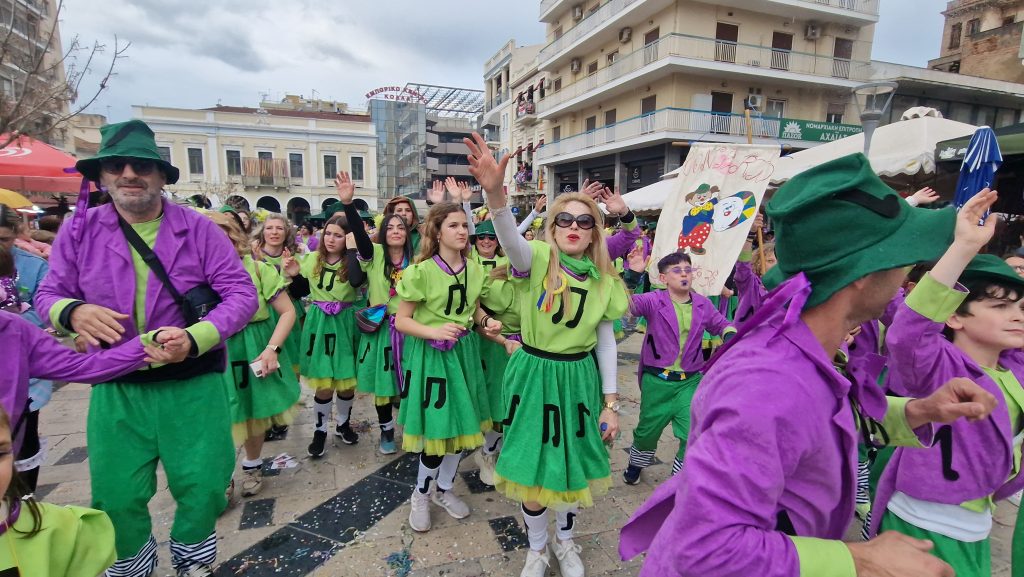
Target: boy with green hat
(768, 486)
(964, 319)
(100, 287)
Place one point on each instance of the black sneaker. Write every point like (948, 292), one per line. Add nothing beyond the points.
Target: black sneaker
(348, 436)
(276, 433)
(316, 448)
(631, 475)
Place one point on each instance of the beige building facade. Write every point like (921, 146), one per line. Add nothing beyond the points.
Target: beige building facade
(620, 80)
(983, 38)
(280, 159)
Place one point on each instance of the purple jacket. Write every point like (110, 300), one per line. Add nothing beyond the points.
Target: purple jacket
(868, 341)
(31, 353)
(620, 243)
(980, 454)
(192, 249)
(661, 345)
(749, 289)
(773, 442)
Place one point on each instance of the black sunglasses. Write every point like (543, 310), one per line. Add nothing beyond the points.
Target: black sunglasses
(140, 166)
(486, 237)
(584, 221)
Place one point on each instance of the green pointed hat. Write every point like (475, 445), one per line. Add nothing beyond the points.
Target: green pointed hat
(131, 139)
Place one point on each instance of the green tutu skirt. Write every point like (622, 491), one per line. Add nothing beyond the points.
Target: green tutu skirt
(293, 344)
(494, 359)
(329, 358)
(445, 406)
(255, 401)
(552, 453)
(375, 374)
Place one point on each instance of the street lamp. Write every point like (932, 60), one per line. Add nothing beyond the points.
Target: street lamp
(872, 100)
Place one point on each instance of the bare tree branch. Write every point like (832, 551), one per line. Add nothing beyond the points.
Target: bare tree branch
(41, 87)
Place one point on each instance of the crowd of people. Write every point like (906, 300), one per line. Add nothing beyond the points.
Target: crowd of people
(874, 375)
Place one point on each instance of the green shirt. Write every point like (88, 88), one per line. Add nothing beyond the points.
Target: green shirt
(684, 314)
(501, 302)
(443, 297)
(328, 285)
(590, 302)
(489, 264)
(147, 231)
(269, 283)
(379, 285)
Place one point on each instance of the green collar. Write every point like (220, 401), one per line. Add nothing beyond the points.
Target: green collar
(579, 266)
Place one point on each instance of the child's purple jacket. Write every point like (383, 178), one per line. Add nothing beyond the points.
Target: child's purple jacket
(661, 344)
(981, 453)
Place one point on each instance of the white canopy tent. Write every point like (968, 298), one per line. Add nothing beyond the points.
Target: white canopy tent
(653, 196)
(903, 148)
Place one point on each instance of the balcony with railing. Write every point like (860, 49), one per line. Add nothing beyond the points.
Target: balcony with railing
(257, 172)
(497, 100)
(526, 112)
(547, 8)
(676, 51)
(685, 124)
(850, 12)
(611, 11)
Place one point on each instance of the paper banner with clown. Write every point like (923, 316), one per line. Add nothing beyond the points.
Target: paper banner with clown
(708, 216)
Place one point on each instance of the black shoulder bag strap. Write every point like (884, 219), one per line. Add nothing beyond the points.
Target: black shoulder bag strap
(150, 258)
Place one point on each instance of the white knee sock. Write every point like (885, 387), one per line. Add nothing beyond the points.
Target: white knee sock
(344, 409)
(449, 468)
(492, 442)
(536, 528)
(565, 522)
(322, 410)
(425, 476)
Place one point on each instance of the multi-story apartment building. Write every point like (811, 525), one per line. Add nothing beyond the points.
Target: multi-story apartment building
(623, 79)
(983, 38)
(31, 33)
(281, 158)
(514, 86)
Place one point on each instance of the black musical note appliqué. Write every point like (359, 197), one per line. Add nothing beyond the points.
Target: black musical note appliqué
(560, 313)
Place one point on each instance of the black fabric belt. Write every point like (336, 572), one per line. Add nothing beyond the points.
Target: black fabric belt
(555, 356)
(211, 362)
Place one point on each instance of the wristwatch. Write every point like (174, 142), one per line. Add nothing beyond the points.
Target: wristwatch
(274, 348)
(613, 406)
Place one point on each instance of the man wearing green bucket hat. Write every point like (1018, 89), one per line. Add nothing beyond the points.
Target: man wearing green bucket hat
(102, 288)
(770, 477)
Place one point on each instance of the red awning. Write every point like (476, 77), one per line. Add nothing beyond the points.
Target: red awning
(28, 165)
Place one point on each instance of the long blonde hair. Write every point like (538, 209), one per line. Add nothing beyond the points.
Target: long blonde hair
(597, 251)
(234, 232)
(429, 241)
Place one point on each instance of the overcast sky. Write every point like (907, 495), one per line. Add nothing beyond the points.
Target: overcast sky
(194, 53)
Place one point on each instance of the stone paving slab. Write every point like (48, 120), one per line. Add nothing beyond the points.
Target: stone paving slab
(347, 513)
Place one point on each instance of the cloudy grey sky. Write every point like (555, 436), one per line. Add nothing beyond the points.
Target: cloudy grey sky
(194, 53)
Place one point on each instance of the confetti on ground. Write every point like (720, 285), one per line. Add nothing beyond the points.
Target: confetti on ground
(284, 461)
(400, 562)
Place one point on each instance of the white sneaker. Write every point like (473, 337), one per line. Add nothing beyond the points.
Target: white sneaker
(536, 563)
(568, 555)
(1015, 498)
(419, 515)
(451, 502)
(486, 464)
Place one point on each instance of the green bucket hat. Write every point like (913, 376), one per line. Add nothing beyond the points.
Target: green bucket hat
(838, 222)
(131, 139)
(991, 267)
(485, 227)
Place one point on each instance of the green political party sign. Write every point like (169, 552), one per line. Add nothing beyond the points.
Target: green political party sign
(815, 131)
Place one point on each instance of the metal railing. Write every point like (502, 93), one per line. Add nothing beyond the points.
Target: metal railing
(497, 100)
(711, 50)
(863, 6)
(546, 5)
(664, 120)
(589, 23)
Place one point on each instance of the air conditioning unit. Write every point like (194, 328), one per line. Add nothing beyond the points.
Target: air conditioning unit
(575, 65)
(812, 32)
(625, 35)
(577, 12)
(755, 102)
(547, 84)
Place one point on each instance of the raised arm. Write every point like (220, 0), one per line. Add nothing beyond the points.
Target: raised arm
(538, 208)
(489, 173)
(346, 192)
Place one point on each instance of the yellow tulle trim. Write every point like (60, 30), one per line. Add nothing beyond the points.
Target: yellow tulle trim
(329, 383)
(257, 427)
(440, 447)
(381, 401)
(557, 500)
(486, 426)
